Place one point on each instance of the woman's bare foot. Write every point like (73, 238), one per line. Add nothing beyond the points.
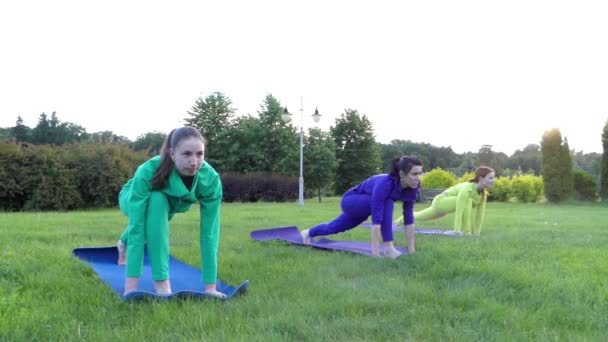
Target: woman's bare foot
(131, 285)
(392, 253)
(162, 287)
(122, 253)
(305, 236)
(390, 250)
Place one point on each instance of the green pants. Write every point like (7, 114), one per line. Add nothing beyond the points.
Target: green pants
(156, 236)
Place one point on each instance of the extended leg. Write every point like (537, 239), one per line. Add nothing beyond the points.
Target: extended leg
(355, 210)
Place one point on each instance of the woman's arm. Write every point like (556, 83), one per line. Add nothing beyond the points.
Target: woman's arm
(138, 201)
(461, 202)
(480, 214)
(210, 202)
(376, 236)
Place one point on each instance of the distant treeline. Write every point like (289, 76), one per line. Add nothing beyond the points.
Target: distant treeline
(334, 160)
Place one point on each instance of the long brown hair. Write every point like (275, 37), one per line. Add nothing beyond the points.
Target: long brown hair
(481, 172)
(159, 180)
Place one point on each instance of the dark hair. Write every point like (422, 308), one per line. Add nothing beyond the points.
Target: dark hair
(405, 164)
(481, 172)
(159, 180)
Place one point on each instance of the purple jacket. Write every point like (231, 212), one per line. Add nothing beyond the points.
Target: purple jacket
(385, 187)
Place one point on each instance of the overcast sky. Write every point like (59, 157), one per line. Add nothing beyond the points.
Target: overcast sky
(450, 73)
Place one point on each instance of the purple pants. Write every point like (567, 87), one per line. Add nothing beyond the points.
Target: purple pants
(356, 209)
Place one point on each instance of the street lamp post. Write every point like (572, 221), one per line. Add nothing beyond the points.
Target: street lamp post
(287, 118)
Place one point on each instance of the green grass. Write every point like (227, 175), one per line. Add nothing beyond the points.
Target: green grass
(538, 272)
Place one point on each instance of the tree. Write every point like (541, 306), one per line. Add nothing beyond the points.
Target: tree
(556, 166)
(589, 163)
(530, 158)
(245, 153)
(54, 136)
(214, 117)
(21, 132)
(356, 150)
(399, 148)
(6, 134)
(278, 140)
(567, 181)
(604, 177)
(485, 155)
(319, 160)
(72, 132)
(40, 133)
(151, 141)
(495, 160)
(105, 137)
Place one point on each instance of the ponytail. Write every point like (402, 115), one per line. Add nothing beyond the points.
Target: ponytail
(405, 164)
(166, 164)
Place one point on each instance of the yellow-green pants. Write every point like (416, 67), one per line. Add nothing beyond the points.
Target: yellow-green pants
(441, 206)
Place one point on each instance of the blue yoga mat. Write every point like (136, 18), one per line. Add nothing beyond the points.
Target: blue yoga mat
(292, 235)
(421, 230)
(185, 279)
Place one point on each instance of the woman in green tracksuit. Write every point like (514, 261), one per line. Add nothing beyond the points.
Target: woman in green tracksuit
(460, 200)
(162, 186)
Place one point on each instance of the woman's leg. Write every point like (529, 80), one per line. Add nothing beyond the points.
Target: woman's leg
(157, 239)
(440, 207)
(355, 210)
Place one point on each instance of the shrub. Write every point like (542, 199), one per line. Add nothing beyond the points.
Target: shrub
(253, 187)
(466, 177)
(64, 177)
(438, 179)
(11, 187)
(584, 186)
(102, 170)
(47, 184)
(501, 191)
(527, 188)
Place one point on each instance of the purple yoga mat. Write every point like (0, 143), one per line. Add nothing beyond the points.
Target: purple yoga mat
(292, 235)
(421, 230)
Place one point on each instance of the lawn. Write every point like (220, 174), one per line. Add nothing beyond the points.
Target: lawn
(537, 272)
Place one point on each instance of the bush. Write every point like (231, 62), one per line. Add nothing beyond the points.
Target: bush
(584, 186)
(11, 187)
(102, 170)
(501, 191)
(438, 179)
(253, 187)
(64, 177)
(527, 188)
(466, 177)
(46, 183)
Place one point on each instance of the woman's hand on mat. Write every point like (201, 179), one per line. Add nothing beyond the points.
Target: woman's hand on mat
(211, 289)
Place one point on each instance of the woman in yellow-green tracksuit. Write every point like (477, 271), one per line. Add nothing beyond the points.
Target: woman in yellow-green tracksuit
(460, 200)
(162, 186)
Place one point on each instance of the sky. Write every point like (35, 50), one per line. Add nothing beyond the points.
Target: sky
(450, 73)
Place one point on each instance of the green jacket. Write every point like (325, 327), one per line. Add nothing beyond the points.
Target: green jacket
(206, 189)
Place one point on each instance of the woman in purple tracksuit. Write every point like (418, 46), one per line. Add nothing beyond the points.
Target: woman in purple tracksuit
(375, 196)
